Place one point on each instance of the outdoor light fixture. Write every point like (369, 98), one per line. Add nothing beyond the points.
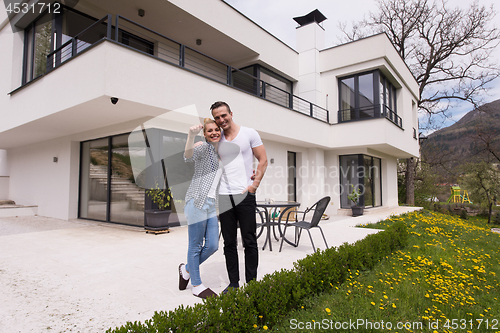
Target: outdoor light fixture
(55, 159)
(114, 100)
(272, 161)
(141, 12)
(198, 41)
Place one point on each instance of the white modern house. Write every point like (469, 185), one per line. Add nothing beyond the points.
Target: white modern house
(78, 77)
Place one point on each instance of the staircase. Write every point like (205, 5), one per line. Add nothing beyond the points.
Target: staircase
(122, 189)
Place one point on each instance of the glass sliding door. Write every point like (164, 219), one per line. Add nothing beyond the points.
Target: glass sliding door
(368, 181)
(377, 181)
(349, 178)
(109, 189)
(292, 176)
(364, 173)
(127, 198)
(94, 179)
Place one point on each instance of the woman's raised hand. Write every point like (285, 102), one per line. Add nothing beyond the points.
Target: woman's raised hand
(194, 130)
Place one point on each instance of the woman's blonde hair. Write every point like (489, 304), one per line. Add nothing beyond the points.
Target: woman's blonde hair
(207, 121)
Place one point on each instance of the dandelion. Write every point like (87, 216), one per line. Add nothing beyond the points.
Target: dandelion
(327, 310)
(264, 327)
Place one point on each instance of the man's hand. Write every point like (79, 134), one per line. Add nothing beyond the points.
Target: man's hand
(251, 189)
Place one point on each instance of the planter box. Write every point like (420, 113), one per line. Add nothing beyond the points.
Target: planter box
(357, 211)
(156, 220)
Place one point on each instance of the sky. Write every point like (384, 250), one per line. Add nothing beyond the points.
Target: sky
(276, 16)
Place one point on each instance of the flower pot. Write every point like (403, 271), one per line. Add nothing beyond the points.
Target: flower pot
(357, 211)
(156, 220)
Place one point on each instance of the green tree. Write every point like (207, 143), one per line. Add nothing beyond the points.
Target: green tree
(482, 179)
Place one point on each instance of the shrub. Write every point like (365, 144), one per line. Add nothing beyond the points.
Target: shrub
(463, 214)
(269, 300)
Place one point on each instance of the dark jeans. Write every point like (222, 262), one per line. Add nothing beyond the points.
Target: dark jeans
(239, 208)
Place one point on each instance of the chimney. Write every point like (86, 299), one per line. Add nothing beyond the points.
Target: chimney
(310, 40)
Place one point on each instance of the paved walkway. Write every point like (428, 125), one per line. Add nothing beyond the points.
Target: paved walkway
(84, 276)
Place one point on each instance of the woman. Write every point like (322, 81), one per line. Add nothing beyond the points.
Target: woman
(200, 208)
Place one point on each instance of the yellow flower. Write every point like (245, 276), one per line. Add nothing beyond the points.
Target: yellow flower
(264, 327)
(327, 310)
(373, 303)
(255, 326)
(393, 305)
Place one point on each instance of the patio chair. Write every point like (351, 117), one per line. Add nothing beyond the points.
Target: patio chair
(318, 208)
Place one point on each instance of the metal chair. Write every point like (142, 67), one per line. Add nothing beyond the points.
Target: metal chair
(318, 208)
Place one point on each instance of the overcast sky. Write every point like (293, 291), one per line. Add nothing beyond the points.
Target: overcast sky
(276, 16)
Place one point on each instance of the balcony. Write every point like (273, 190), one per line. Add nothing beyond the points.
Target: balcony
(151, 43)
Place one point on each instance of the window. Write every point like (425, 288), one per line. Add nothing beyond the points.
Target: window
(362, 172)
(49, 32)
(366, 96)
(38, 44)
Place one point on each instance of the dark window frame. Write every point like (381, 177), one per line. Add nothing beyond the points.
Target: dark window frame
(378, 105)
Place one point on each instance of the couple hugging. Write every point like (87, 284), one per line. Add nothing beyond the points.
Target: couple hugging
(223, 178)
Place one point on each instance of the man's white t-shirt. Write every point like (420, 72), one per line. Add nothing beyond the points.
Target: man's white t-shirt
(237, 159)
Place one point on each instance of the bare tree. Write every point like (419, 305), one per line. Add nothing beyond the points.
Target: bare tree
(446, 49)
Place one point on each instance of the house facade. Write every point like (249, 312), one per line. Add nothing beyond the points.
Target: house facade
(82, 83)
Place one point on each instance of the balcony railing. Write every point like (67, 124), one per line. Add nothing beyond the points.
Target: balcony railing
(88, 37)
(370, 112)
(143, 39)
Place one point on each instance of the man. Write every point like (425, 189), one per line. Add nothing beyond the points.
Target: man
(237, 149)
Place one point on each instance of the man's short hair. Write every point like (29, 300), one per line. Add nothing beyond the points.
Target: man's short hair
(218, 104)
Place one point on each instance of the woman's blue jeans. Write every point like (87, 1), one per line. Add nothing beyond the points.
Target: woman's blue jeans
(203, 231)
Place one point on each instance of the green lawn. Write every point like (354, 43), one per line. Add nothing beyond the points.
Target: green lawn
(445, 280)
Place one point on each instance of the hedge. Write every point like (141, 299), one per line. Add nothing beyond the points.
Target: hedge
(269, 300)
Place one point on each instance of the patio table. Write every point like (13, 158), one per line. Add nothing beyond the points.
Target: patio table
(269, 219)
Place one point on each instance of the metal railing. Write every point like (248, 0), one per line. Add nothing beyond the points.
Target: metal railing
(91, 35)
(370, 112)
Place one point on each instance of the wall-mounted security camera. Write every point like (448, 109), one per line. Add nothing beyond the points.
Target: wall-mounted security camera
(114, 100)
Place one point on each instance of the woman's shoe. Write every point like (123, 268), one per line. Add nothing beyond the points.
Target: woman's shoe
(182, 281)
(206, 293)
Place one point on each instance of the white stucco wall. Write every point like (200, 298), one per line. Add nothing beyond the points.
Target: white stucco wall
(35, 179)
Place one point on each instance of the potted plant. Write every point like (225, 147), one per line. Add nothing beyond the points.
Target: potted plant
(157, 219)
(354, 197)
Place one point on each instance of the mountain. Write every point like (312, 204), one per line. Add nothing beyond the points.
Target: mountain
(452, 146)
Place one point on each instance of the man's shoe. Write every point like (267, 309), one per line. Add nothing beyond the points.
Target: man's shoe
(230, 287)
(182, 281)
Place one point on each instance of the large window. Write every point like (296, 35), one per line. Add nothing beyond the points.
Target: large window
(366, 96)
(362, 172)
